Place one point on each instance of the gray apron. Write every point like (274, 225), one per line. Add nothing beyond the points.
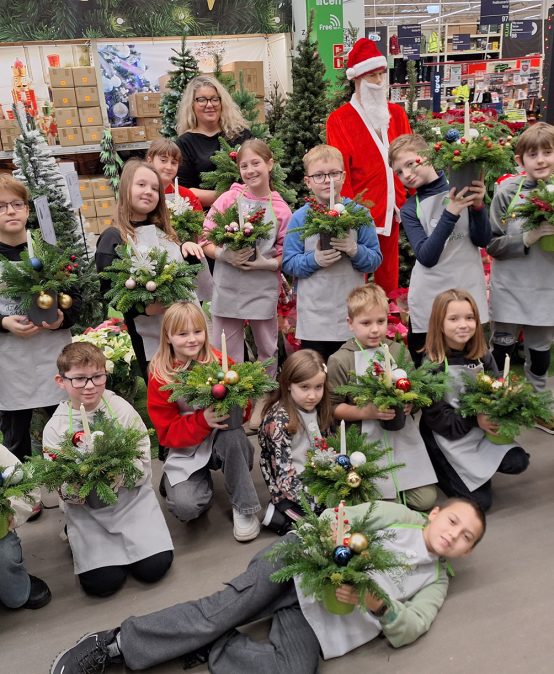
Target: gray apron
(321, 298)
(407, 448)
(460, 266)
(130, 530)
(249, 294)
(303, 439)
(183, 462)
(474, 458)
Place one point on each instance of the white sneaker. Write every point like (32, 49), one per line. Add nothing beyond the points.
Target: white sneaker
(245, 527)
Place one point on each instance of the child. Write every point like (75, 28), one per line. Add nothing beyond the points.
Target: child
(522, 274)
(204, 630)
(18, 589)
(131, 536)
(463, 457)
(294, 416)
(26, 350)
(325, 277)
(143, 216)
(243, 290)
(445, 230)
(194, 437)
(368, 320)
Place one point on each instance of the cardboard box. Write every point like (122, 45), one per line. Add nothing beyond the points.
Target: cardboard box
(8, 137)
(105, 207)
(120, 134)
(101, 188)
(105, 222)
(163, 82)
(64, 98)
(136, 134)
(70, 136)
(252, 75)
(66, 117)
(91, 226)
(90, 116)
(84, 76)
(87, 97)
(152, 126)
(8, 124)
(61, 77)
(88, 209)
(145, 105)
(92, 134)
(85, 187)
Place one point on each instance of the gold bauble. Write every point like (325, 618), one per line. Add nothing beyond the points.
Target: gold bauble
(231, 377)
(44, 301)
(358, 543)
(353, 479)
(65, 301)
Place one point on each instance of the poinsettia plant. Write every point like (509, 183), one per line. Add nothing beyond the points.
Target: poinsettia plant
(228, 232)
(337, 221)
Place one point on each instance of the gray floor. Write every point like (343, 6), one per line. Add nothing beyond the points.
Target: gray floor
(498, 616)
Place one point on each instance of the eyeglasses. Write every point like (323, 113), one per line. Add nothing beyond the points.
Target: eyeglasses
(319, 178)
(81, 382)
(203, 101)
(17, 205)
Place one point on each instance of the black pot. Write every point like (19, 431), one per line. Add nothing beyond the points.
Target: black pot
(462, 177)
(235, 419)
(325, 241)
(37, 315)
(94, 502)
(397, 423)
(254, 255)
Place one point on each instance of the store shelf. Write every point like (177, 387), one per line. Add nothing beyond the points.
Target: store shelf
(59, 151)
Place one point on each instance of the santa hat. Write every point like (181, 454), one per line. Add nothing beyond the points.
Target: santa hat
(363, 58)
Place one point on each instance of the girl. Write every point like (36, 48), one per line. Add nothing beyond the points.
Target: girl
(249, 290)
(463, 458)
(197, 439)
(141, 215)
(294, 418)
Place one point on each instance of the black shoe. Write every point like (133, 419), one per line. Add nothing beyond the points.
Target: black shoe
(199, 657)
(92, 653)
(40, 594)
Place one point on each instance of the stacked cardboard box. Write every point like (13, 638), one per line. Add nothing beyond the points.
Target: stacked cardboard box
(9, 131)
(146, 109)
(99, 205)
(252, 75)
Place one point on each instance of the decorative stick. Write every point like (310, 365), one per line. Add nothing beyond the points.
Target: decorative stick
(342, 437)
(30, 248)
(387, 368)
(339, 535)
(135, 250)
(224, 360)
(86, 427)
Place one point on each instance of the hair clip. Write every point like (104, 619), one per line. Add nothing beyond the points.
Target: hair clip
(324, 367)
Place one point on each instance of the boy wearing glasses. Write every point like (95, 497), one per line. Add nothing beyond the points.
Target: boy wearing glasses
(326, 277)
(27, 351)
(131, 536)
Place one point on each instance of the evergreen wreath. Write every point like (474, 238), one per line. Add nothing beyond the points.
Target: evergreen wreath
(206, 384)
(353, 479)
(138, 279)
(51, 269)
(227, 231)
(336, 221)
(513, 403)
(321, 558)
(17, 481)
(537, 207)
(185, 220)
(82, 469)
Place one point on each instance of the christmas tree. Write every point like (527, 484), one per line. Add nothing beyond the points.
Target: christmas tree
(187, 69)
(111, 161)
(276, 109)
(306, 109)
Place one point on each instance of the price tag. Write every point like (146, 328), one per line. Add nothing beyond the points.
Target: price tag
(45, 220)
(72, 182)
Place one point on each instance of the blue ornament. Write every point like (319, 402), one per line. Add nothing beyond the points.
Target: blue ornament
(343, 461)
(36, 264)
(342, 555)
(452, 135)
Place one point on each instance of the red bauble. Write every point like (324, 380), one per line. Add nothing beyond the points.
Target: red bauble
(233, 155)
(333, 213)
(403, 384)
(438, 146)
(219, 391)
(69, 268)
(457, 153)
(73, 258)
(78, 438)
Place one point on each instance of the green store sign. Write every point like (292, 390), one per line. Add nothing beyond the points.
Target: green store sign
(329, 32)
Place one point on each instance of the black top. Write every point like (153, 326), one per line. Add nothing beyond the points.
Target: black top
(197, 150)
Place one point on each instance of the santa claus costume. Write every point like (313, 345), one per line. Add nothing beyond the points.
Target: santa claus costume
(362, 130)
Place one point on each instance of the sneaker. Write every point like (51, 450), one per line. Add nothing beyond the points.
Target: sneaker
(39, 595)
(546, 426)
(92, 653)
(245, 527)
(276, 521)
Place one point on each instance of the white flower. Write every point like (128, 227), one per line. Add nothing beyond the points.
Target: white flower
(437, 130)
(109, 366)
(144, 265)
(550, 188)
(179, 205)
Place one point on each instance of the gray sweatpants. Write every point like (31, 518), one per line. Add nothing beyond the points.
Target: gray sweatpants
(183, 628)
(15, 584)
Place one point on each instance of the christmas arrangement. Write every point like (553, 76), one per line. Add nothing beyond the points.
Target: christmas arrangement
(16, 481)
(236, 229)
(454, 150)
(94, 463)
(344, 467)
(185, 220)
(536, 209)
(325, 554)
(138, 279)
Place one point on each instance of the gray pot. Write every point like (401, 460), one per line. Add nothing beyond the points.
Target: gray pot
(461, 177)
(325, 241)
(235, 419)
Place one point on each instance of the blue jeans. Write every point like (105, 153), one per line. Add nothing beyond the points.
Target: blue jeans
(15, 584)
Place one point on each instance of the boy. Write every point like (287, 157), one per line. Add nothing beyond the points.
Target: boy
(325, 277)
(205, 629)
(445, 230)
(131, 536)
(18, 589)
(522, 274)
(368, 320)
(26, 350)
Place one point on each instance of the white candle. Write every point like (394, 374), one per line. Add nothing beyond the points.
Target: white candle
(224, 361)
(342, 437)
(241, 214)
(506, 367)
(332, 193)
(84, 421)
(30, 249)
(176, 187)
(388, 368)
(466, 121)
(339, 538)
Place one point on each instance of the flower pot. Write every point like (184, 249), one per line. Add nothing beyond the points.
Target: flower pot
(94, 502)
(461, 177)
(332, 604)
(235, 420)
(37, 315)
(4, 525)
(397, 423)
(547, 243)
(325, 241)
(500, 439)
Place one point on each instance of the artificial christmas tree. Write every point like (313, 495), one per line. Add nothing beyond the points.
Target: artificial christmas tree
(187, 69)
(276, 109)
(110, 160)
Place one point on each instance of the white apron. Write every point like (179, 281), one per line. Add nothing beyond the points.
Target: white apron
(130, 530)
(321, 298)
(460, 266)
(340, 634)
(248, 294)
(407, 447)
(149, 327)
(473, 457)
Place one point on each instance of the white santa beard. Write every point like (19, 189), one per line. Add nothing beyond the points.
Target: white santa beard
(373, 99)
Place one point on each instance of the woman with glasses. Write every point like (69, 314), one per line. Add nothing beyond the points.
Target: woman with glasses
(206, 113)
